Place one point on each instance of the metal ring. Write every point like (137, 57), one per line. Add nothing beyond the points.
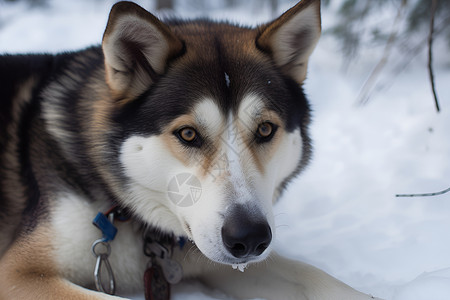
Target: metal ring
(104, 244)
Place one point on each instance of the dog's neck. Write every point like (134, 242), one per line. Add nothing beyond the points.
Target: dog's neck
(150, 233)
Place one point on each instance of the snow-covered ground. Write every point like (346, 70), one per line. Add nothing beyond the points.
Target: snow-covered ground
(341, 214)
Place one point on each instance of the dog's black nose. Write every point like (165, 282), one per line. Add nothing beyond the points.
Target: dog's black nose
(245, 235)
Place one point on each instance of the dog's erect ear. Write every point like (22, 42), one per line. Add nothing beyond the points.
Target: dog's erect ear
(291, 38)
(136, 46)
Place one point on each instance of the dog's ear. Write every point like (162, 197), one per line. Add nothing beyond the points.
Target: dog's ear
(136, 46)
(291, 38)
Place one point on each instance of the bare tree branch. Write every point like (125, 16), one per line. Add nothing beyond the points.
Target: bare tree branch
(430, 53)
(424, 195)
(409, 55)
(363, 96)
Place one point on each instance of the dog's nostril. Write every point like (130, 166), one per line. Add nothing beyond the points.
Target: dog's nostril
(238, 248)
(261, 247)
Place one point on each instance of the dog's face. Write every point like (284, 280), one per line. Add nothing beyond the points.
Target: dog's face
(213, 122)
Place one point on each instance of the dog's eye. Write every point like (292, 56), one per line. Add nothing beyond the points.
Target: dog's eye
(265, 131)
(189, 136)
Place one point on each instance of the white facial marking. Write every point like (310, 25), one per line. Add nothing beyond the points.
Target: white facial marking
(235, 152)
(150, 166)
(147, 162)
(209, 117)
(250, 110)
(289, 151)
(282, 164)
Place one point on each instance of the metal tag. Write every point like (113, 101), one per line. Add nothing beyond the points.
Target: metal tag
(156, 286)
(172, 270)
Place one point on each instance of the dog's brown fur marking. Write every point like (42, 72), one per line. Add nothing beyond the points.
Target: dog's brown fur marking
(28, 271)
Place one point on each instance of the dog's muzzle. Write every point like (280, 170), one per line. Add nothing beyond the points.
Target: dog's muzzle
(245, 234)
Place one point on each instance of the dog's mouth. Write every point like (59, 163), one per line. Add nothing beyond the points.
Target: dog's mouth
(243, 237)
(220, 254)
(242, 263)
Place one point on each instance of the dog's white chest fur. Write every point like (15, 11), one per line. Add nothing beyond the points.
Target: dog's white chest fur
(74, 234)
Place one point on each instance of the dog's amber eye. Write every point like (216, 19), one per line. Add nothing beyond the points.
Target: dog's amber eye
(188, 134)
(189, 137)
(265, 132)
(265, 129)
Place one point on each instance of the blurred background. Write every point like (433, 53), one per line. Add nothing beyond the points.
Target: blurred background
(377, 131)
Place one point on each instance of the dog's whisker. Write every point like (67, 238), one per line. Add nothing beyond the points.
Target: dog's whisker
(282, 225)
(280, 214)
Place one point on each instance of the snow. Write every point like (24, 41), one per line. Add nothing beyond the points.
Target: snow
(240, 267)
(435, 285)
(341, 215)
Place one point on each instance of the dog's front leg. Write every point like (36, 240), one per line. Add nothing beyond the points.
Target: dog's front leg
(36, 287)
(280, 278)
(28, 272)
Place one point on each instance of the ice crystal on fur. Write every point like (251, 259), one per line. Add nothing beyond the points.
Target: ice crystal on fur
(227, 79)
(240, 267)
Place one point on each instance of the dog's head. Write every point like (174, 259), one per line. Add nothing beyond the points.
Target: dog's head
(213, 122)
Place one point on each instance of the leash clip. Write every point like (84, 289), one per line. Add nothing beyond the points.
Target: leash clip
(101, 249)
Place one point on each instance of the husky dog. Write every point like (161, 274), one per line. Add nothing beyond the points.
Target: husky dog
(189, 130)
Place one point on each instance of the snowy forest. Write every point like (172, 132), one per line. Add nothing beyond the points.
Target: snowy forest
(373, 207)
